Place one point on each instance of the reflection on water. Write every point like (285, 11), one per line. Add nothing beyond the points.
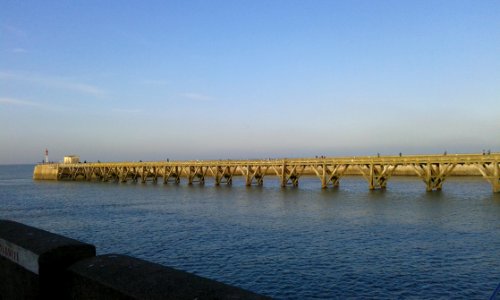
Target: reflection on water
(290, 243)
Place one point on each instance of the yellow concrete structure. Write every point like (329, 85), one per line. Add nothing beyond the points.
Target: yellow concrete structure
(46, 171)
(71, 159)
(432, 169)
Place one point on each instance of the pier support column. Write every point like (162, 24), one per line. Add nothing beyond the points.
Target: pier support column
(247, 172)
(110, 173)
(135, 174)
(290, 175)
(283, 174)
(190, 175)
(144, 174)
(196, 174)
(330, 174)
(323, 177)
(227, 178)
(155, 174)
(60, 173)
(255, 174)
(377, 175)
(224, 175)
(89, 173)
(77, 172)
(217, 172)
(123, 174)
(434, 174)
(491, 172)
(104, 174)
(171, 174)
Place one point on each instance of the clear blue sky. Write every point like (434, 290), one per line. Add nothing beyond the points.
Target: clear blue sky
(150, 80)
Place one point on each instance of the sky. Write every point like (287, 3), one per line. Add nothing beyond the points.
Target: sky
(236, 79)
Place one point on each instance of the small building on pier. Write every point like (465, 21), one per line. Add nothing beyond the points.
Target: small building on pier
(71, 159)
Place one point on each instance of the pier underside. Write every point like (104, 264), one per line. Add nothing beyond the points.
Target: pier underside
(434, 174)
(433, 170)
(377, 174)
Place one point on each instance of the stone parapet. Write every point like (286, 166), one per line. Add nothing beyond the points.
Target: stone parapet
(36, 264)
(33, 262)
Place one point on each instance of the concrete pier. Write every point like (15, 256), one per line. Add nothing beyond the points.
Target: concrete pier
(432, 169)
(46, 172)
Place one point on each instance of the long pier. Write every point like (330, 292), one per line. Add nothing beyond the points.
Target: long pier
(377, 170)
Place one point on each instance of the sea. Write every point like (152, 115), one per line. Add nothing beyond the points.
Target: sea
(286, 243)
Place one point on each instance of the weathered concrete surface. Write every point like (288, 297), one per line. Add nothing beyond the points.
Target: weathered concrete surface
(123, 277)
(16, 282)
(33, 262)
(45, 172)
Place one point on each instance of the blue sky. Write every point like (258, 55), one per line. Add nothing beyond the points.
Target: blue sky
(150, 80)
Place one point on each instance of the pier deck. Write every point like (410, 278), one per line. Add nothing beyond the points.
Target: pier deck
(432, 169)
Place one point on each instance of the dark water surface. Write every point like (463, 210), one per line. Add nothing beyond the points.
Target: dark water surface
(293, 243)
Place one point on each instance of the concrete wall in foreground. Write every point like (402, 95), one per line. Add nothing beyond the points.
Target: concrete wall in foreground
(45, 172)
(33, 262)
(36, 264)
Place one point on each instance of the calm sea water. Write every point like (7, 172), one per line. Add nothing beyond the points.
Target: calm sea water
(292, 243)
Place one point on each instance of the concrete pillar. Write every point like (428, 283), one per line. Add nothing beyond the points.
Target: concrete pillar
(33, 262)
